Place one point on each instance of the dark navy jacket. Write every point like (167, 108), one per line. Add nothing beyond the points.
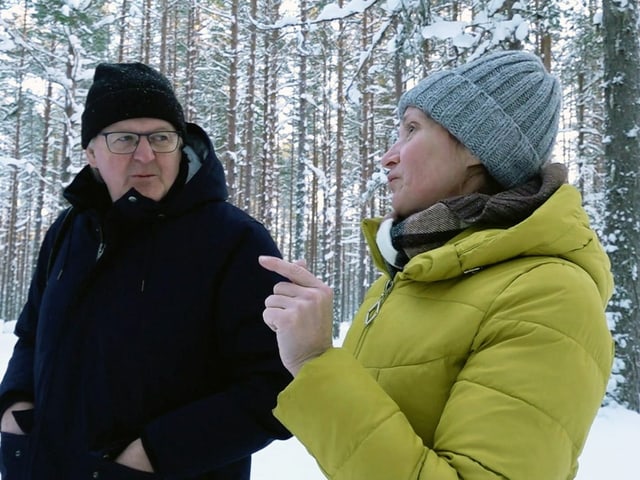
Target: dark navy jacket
(148, 325)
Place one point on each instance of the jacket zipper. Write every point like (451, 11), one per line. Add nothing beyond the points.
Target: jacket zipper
(372, 313)
(101, 245)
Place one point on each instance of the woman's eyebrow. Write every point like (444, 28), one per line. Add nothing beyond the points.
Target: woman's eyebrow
(406, 118)
(410, 117)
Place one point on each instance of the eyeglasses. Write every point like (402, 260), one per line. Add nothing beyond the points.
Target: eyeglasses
(123, 143)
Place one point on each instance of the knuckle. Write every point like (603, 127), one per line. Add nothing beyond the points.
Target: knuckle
(298, 270)
(280, 287)
(327, 289)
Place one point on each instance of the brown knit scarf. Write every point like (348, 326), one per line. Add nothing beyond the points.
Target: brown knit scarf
(433, 227)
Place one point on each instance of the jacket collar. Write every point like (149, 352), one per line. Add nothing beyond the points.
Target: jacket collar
(558, 228)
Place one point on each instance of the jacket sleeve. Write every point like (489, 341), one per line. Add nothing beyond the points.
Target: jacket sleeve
(238, 421)
(18, 383)
(520, 408)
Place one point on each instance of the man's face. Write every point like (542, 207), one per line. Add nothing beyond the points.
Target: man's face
(152, 174)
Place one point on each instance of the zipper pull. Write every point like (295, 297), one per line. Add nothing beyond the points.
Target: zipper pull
(373, 312)
(101, 248)
(471, 271)
(101, 245)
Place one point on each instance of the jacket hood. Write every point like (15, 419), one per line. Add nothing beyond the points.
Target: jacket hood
(201, 179)
(558, 228)
(209, 179)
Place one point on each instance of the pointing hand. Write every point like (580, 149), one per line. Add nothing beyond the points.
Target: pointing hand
(299, 311)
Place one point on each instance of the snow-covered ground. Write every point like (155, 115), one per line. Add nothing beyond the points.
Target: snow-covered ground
(612, 450)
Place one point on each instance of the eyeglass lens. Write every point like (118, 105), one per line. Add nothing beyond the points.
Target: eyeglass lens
(127, 142)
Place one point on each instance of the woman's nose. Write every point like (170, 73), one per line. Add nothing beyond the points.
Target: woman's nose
(391, 157)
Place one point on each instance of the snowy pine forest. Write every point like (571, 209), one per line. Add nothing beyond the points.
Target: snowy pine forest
(299, 97)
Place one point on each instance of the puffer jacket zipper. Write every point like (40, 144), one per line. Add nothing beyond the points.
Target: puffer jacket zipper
(373, 313)
(101, 245)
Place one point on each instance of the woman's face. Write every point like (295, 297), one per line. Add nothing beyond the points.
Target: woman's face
(425, 165)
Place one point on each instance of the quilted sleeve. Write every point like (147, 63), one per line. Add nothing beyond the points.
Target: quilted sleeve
(520, 408)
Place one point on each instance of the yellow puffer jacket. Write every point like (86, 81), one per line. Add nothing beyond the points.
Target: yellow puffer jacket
(488, 359)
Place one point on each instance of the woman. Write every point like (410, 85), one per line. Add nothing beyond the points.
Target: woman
(482, 352)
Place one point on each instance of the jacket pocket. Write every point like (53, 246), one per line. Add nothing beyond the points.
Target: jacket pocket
(106, 469)
(24, 419)
(14, 455)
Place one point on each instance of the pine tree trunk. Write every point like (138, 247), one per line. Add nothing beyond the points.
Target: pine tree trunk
(145, 46)
(338, 260)
(365, 152)
(622, 151)
(44, 165)
(268, 207)
(300, 156)
(232, 147)
(248, 200)
(122, 30)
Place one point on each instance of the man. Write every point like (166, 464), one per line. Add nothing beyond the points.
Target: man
(141, 350)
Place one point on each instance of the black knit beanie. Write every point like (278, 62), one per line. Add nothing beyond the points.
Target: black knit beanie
(129, 90)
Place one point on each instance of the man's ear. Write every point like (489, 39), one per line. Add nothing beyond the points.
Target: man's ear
(90, 154)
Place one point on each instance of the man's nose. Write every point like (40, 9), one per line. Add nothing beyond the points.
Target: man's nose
(143, 151)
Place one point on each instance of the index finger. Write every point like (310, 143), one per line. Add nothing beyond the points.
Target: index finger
(296, 273)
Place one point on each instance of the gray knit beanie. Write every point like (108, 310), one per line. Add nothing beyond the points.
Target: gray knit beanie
(504, 107)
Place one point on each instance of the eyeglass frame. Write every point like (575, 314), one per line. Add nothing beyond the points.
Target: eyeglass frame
(139, 135)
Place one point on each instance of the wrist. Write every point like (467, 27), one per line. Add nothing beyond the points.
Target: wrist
(294, 369)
